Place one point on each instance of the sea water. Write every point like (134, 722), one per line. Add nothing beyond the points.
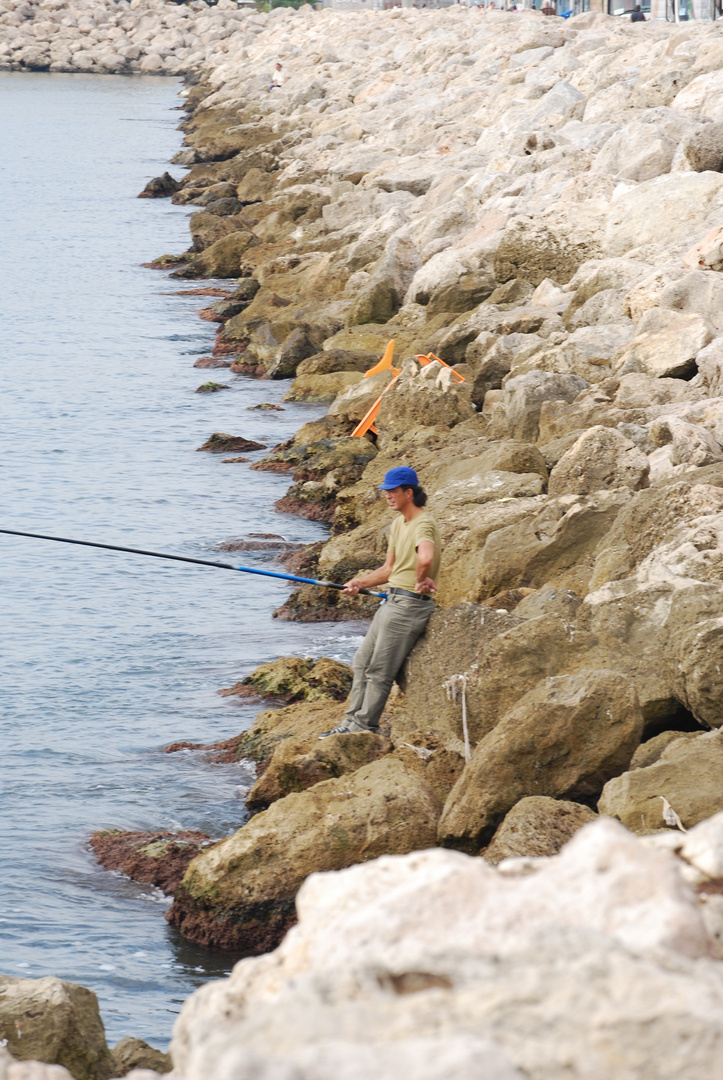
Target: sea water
(106, 658)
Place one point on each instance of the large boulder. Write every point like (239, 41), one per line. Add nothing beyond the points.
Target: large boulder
(226, 257)
(539, 248)
(240, 895)
(686, 206)
(525, 394)
(687, 774)
(130, 1054)
(424, 397)
(535, 826)
(321, 387)
(565, 738)
(293, 678)
(351, 404)
(438, 966)
(666, 344)
(56, 1022)
(600, 459)
(302, 761)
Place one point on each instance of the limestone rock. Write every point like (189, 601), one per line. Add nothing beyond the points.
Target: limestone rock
(666, 345)
(536, 826)
(637, 151)
(536, 250)
(56, 1022)
(352, 404)
(414, 965)
(649, 752)
(226, 257)
(335, 360)
(687, 774)
(241, 894)
(707, 254)
(703, 846)
(10, 1069)
(424, 398)
(525, 394)
(601, 458)
(130, 1054)
(301, 761)
(291, 678)
(709, 362)
(686, 205)
(321, 387)
(565, 738)
(690, 444)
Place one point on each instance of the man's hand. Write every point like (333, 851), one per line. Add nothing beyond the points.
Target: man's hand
(426, 585)
(351, 588)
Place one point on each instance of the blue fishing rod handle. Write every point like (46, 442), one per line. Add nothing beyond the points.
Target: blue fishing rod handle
(305, 580)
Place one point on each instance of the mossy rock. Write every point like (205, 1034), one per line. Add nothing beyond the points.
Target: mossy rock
(211, 388)
(293, 678)
(221, 443)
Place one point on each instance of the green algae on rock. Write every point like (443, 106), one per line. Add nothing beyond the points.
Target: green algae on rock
(151, 858)
(212, 388)
(221, 443)
(241, 893)
(291, 678)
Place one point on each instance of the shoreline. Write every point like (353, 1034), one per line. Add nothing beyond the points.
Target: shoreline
(265, 221)
(577, 472)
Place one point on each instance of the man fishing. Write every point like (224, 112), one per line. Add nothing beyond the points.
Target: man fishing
(411, 568)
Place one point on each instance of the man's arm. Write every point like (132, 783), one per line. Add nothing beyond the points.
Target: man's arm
(374, 577)
(425, 558)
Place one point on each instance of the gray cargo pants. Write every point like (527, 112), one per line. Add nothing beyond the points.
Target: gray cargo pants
(396, 627)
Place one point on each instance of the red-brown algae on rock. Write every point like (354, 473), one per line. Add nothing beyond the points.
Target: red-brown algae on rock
(151, 858)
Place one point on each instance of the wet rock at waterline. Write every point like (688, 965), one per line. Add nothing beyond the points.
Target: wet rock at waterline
(151, 858)
(259, 541)
(292, 678)
(240, 894)
(221, 443)
(160, 187)
(212, 388)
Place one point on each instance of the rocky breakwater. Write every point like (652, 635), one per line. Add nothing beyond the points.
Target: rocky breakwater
(537, 203)
(600, 962)
(102, 36)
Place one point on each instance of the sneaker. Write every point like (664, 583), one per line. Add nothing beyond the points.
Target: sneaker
(348, 727)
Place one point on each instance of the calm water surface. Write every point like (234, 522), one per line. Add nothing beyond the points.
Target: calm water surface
(105, 658)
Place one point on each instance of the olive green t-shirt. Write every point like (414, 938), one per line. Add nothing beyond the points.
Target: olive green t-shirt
(404, 538)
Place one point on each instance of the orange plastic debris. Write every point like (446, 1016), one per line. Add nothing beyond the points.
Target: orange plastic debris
(424, 360)
(367, 421)
(385, 363)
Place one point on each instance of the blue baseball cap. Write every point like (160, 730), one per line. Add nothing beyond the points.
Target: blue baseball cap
(402, 476)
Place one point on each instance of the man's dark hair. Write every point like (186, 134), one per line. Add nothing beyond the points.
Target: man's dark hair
(419, 495)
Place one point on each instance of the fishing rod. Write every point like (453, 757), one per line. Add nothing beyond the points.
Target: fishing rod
(187, 559)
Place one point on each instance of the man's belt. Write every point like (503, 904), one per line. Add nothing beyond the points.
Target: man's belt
(408, 592)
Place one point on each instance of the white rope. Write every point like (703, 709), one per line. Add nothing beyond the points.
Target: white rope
(454, 685)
